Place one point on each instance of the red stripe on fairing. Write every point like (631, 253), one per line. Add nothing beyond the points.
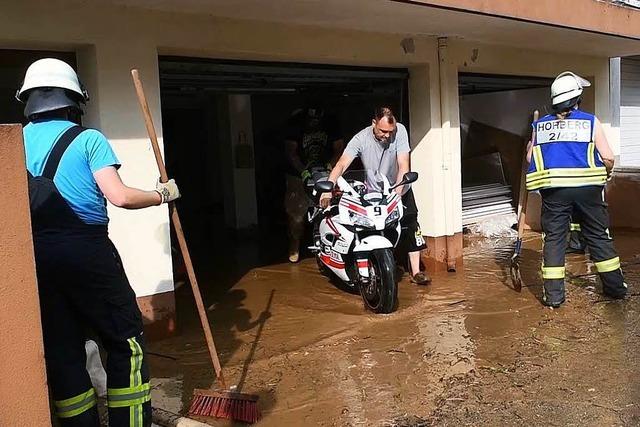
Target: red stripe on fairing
(333, 227)
(363, 264)
(392, 206)
(331, 262)
(355, 208)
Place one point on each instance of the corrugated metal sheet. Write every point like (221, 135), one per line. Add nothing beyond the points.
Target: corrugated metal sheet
(630, 112)
(632, 3)
(485, 201)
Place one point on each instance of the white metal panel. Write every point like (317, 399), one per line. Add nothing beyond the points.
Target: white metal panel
(630, 112)
(632, 3)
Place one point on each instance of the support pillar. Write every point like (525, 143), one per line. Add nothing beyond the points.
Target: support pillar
(141, 236)
(23, 383)
(436, 157)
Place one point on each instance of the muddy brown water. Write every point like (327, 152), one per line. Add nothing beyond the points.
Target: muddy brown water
(467, 350)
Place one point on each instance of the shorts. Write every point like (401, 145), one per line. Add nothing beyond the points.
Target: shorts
(411, 238)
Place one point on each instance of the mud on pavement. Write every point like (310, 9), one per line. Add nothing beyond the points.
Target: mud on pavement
(467, 350)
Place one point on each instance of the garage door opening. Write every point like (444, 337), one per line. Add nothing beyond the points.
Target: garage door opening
(224, 124)
(495, 125)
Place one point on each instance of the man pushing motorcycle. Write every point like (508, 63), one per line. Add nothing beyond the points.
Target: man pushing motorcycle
(384, 149)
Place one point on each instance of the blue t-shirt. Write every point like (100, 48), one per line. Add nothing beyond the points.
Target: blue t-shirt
(88, 153)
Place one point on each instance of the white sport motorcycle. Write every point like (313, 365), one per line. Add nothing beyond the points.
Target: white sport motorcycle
(356, 235)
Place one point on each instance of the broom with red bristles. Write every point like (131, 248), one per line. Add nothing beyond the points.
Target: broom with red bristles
(209, 403)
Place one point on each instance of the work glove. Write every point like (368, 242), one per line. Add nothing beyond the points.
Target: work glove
(325, 199)
(305, 175)
(168, 190)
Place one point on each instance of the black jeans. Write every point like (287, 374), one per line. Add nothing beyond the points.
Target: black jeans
(558, 204)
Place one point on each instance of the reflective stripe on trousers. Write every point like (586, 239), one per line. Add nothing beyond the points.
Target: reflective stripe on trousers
(137, 393)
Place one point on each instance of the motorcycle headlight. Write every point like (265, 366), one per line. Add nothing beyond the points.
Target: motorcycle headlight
(393, 216)
(362, 221)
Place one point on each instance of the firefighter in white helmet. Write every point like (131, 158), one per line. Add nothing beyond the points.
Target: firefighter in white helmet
(81, 279)
(570, 161)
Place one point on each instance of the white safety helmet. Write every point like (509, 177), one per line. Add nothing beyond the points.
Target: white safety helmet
(50, 84)
(566, 90)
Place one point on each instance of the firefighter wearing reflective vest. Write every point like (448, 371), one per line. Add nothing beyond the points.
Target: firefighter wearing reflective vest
(570, 162)
(81, 280)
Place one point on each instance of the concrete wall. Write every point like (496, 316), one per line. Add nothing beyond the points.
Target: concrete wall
(23, 384)
(124, 38)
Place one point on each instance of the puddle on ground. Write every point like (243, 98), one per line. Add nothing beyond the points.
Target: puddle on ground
(316, 357)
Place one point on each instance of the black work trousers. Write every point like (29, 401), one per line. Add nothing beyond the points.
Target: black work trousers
(557, 207)
(83, 286)
(577, 243)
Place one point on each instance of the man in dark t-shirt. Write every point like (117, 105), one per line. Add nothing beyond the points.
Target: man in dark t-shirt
(312, 141)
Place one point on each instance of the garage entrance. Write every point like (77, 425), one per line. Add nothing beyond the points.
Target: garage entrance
(224, 124)
(495, 125)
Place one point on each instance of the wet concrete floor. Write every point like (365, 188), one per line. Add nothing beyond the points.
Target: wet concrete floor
(466, 350)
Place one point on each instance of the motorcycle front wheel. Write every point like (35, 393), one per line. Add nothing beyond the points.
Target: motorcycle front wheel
(380, 294)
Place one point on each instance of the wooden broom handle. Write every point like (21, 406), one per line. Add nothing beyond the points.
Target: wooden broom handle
(178, 228)
(522, 205)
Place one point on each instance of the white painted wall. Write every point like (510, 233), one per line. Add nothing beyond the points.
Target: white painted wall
(142, 236)
(630, 112)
